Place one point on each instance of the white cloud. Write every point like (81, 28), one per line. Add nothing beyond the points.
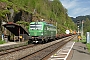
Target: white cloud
(69, 3)
(50, 0)
(79, 11)
(77, 7)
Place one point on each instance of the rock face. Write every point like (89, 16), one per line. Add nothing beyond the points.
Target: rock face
(2, 5)
(12, 16)
(8, 14)
(20, 16)
(23, 16)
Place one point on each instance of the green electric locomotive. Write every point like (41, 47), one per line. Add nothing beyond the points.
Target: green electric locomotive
(41, 32)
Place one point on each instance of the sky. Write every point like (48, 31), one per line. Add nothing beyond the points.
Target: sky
(77, 7)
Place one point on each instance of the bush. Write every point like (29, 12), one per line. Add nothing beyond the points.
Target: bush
(1, 42)
(88, 46)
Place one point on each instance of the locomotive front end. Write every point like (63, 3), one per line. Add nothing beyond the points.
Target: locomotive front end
(36, 31)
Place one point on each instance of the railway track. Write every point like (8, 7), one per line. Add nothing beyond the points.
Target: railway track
(30, 51)
(15, 49)
(43, 53)
(7, 54)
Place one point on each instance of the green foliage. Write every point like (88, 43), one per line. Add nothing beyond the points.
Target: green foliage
(4, 0)
(86, 26)
(88, 46)
(1, 42)
(48, 9)
(3, 13)
(24, 24)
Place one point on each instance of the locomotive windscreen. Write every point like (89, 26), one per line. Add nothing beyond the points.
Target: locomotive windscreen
(35, 26)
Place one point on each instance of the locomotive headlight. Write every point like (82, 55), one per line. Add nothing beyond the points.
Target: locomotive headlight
(29, 34)
(41, 33)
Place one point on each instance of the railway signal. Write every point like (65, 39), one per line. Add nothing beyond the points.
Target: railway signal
(78, 22)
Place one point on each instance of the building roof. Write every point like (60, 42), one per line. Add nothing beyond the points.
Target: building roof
(15, 28)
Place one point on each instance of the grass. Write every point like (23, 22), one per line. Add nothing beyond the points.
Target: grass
(88, 46)
(85, 42)
(2, 42)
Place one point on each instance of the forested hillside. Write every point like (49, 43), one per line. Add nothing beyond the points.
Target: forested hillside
(33, 10)
(86, 22)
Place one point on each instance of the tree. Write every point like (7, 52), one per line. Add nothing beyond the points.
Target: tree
(86, 26)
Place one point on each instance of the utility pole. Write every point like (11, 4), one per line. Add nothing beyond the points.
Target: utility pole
(78, 24)
(56, 27)
(82, 29)
(78, 30)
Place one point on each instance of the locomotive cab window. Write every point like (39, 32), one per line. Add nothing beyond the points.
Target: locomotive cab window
(36, 26)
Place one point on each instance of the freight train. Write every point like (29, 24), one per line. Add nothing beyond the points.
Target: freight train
(41, 32)
(38, 32)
